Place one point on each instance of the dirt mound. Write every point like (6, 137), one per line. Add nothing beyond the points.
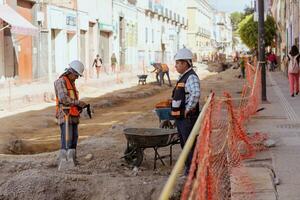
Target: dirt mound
(219, 67)
(50, 186)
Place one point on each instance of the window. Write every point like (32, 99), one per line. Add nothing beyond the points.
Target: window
(146, 35)
(152, 35)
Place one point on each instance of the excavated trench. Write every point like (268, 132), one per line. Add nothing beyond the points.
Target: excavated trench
(37, 132)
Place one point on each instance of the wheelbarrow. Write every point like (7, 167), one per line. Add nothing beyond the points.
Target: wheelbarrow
(138, 139)
(142, 79)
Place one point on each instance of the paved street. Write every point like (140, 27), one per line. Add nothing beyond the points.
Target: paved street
(280, 120)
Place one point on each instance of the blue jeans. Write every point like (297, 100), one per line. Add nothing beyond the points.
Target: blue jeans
(73, 136)
(184, 128)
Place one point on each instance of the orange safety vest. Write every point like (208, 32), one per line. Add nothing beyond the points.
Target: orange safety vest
(73, 94)
(164, 67)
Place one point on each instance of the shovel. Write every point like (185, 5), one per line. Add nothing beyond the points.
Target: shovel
(67, 156)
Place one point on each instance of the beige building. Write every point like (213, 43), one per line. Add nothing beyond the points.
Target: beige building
(199, 13)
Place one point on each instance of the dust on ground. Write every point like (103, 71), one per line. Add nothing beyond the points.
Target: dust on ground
(101, 173)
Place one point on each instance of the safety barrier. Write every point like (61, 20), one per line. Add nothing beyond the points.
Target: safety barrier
(221, 144)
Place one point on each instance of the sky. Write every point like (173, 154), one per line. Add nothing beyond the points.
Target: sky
(230, 5)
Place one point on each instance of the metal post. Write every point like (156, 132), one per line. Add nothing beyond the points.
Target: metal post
(261, 48)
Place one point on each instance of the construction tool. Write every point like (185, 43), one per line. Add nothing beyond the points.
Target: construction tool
(88, 110)
(67, 156)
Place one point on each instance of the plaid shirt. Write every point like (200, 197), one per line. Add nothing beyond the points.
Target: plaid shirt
(192, 87)
(63, 99)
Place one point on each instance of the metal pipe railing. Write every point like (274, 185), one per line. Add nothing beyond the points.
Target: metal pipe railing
(168, 188)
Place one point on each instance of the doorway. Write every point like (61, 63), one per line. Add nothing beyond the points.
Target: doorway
(104, 47)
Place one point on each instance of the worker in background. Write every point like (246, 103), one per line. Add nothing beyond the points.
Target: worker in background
(67, 96)
(242, 63)
(185, 99)
(160, 71)
(165, 71)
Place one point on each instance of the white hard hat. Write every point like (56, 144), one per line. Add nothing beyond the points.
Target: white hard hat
(184, 54)
(77, 66)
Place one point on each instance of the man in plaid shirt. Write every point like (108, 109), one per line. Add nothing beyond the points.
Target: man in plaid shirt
(68, 103)
(185, 98)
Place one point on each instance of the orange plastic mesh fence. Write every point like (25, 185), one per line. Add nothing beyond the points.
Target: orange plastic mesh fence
(223, 143)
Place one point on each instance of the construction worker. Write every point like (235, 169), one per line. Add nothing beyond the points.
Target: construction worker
(67, 97)
(161, 70)
(185, 98)
(165, 71)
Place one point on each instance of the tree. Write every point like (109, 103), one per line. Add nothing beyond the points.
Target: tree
(236, 18)
(248, 31)
(248, 11)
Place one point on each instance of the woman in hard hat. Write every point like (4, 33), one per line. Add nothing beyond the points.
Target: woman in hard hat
(185, 98)
(67, 96)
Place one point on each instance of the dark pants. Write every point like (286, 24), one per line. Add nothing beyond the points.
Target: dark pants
(184, 128)
(160, 78)
(73, 136)
(243, 72)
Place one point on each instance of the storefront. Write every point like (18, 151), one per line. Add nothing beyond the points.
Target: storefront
(16, 41)
(64, 38)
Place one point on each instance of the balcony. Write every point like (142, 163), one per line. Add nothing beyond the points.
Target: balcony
(133, 2)
(166, 14)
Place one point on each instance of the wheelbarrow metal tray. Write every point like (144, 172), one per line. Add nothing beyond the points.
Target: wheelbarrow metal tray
(144, 76)
(150, 137)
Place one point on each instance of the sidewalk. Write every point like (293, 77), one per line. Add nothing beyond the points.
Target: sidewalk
(281, 121)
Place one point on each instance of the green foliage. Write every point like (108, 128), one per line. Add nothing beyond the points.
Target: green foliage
(236, 18)
(248, 31)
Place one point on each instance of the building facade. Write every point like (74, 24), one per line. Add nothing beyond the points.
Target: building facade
(137, 32)
(222, 32)
(162, 28)
(17, 50)
(286, 15)
(125, 34)
(199, 36)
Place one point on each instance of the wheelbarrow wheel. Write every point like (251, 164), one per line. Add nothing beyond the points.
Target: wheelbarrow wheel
(166, 124)
(133, 156)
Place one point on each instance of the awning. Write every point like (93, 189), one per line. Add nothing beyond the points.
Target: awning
(19, 24)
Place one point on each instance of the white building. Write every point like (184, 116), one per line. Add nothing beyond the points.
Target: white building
(162, 27)
(125, 34)
(62, 38)
(98, 37)
(199, 29)
(222, 32)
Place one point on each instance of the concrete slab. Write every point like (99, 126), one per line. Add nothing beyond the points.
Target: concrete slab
(256, 196)
(291, 141)
(288, 192)
(257, 178)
